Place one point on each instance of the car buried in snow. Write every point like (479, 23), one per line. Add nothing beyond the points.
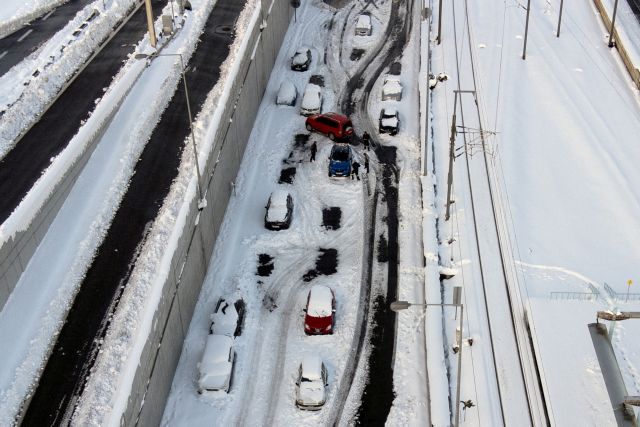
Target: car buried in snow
(287, 94)
(391, 89)
(311, 383)
(279, 211)
(311, 100)
(216, 364)
(389, 121)
(227, 318)
(320, 311)
(301, 59)
(363, 25)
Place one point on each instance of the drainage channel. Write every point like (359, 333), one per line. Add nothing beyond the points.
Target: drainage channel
(77, 345)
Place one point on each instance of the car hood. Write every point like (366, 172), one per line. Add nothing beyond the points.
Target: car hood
(311, 393)
(214, 375)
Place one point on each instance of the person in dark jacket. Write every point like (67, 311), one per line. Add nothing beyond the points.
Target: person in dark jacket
(354, 170)
(314, 150)
(366, 163)
(366, 140)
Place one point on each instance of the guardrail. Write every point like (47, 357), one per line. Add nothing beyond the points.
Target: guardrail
(621, 296)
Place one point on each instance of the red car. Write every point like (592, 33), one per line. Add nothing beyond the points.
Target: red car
(334, 125)
(320, 312)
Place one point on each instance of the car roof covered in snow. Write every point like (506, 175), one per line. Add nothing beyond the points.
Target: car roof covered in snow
(320, 301)
(279, 197)
(389, 111)
(391, 85)
(312, 366)
(311, 98)
(287, 92)
(363, 21)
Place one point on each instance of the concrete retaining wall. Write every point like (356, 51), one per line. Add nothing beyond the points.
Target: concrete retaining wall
(162, 351)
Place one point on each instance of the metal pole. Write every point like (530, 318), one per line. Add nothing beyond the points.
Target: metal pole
(428, 92)
(526, 31)
(457, 422)
(613, 21)
(152, 32)
(439, 21)
(559, 18)
(193, 138)
(451, 155)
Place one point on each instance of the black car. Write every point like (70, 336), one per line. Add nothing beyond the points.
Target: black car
(301, 59)
(389, 121)
(279, 211)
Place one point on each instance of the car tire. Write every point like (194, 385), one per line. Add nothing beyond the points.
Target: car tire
(308, 126)
(332, 136)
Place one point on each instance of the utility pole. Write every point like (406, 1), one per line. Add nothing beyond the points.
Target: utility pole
(526, 31)
(559, 18)
(613, 21)
(439, 21)
(152, 32)
(452, 140)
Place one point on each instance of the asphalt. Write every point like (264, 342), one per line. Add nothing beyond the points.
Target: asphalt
(25, 163)
(21, 43)
(77, 345)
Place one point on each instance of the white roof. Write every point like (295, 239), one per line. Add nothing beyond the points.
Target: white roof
(300, 57)
(320, 301)
(391, 86)
(312, 366)
(215, 367)
(364, 21)
(287, 93)
(311, 98)
(390, 122)
(225, 320)
(278, 208)
(389, 111)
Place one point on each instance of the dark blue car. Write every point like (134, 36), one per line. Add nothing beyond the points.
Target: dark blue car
(340, 160)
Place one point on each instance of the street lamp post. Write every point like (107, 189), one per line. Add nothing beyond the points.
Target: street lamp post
(186, 95)
(403, 305)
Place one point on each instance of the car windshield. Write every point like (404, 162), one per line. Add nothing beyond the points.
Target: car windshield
(340, 154)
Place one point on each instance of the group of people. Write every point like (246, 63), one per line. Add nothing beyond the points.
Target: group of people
(355, 166)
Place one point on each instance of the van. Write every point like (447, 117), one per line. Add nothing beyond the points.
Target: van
(363, 25)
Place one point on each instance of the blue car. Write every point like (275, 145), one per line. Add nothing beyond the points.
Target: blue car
(340, 160)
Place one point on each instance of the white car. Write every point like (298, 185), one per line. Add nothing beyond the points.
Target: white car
(391, 89)
(363, 25)
(311, 383)
(311, 100)
(287, 94)
(301, 59)
(279, 211)
(216, 364)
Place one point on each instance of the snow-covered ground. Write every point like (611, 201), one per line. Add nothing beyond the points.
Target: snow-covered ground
(564, 162)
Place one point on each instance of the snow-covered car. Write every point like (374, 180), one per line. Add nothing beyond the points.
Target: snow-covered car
(320, 311)
(391, 89)
(216, 364)
(311, 100)
(301, 59)
(287, 94)
(227, 318)
(279, 211)
(340, 160)
(389, 121)
(311, 383)
(363, 25)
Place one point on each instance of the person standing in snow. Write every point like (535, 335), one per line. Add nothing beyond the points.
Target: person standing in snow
(366, 163)
(366, 140)
(314, 149)
(354, 170)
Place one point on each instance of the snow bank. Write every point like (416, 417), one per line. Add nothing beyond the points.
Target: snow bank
(14, 14)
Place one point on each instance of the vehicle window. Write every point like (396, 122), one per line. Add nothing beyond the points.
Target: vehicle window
(324, 120)
(341, 154)
(333, 123)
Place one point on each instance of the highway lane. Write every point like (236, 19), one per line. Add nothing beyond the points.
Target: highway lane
(24, 164)
(18, 45)
(76, 348)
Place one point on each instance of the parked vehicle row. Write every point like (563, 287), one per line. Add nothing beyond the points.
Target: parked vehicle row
(389, 120)
(216, 365)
